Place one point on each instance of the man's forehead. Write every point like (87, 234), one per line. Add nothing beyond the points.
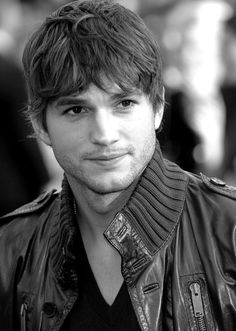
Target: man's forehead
(109, 87)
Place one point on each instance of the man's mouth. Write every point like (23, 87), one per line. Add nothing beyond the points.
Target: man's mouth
(107, 157)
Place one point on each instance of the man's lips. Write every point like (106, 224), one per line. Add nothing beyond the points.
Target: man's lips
(106, 157)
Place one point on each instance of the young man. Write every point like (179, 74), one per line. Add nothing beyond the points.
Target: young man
(132, 242)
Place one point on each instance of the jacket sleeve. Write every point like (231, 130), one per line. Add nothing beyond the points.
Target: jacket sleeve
(11, 262)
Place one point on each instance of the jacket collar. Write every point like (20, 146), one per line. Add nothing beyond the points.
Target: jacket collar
(150, 217)
(138, 231)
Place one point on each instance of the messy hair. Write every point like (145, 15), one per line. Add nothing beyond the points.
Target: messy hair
(83, 41)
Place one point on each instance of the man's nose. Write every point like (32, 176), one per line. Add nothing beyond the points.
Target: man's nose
(104, 130)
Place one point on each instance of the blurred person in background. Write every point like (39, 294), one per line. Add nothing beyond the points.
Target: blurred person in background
(193, 68)
(132, 241)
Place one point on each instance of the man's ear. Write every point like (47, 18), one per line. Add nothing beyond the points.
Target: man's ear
(159, 111)
(40, 131)
(159, 115)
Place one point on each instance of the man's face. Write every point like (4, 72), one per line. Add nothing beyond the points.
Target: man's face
(102, 139)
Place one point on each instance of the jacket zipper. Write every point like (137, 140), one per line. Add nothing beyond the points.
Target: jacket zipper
(198, 311)
(23, 311)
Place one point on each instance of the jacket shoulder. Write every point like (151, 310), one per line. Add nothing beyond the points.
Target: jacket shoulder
(219, 186)
(39, 203)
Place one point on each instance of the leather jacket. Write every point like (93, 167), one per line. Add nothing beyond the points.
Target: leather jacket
(177, 239)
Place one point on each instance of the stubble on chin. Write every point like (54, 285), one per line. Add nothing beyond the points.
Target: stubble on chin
(102, 191)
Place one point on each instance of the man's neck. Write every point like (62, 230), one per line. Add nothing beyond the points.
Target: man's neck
(95, 211)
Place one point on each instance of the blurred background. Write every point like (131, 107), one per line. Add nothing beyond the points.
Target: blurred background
(198, 46)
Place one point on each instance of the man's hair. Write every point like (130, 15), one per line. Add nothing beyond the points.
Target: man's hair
(82, 42)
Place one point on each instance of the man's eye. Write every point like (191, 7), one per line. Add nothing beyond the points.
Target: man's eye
(75, 110)
(126, 103)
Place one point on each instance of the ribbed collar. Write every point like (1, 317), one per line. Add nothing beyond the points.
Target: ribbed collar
(156, 204)
(153, 211)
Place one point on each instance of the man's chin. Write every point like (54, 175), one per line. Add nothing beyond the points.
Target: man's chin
(106, 187)
(105, 190)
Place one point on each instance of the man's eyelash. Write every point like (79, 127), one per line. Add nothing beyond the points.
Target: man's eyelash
(79, 108)
(130, 101)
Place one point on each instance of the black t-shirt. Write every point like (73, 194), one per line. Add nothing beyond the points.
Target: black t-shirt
(91, 312)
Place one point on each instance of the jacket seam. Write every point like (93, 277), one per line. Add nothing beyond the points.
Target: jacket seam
(138, 313)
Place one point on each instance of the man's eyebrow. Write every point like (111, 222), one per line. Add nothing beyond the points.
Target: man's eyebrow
(78, 100)
(124, 94)
(70, 100)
